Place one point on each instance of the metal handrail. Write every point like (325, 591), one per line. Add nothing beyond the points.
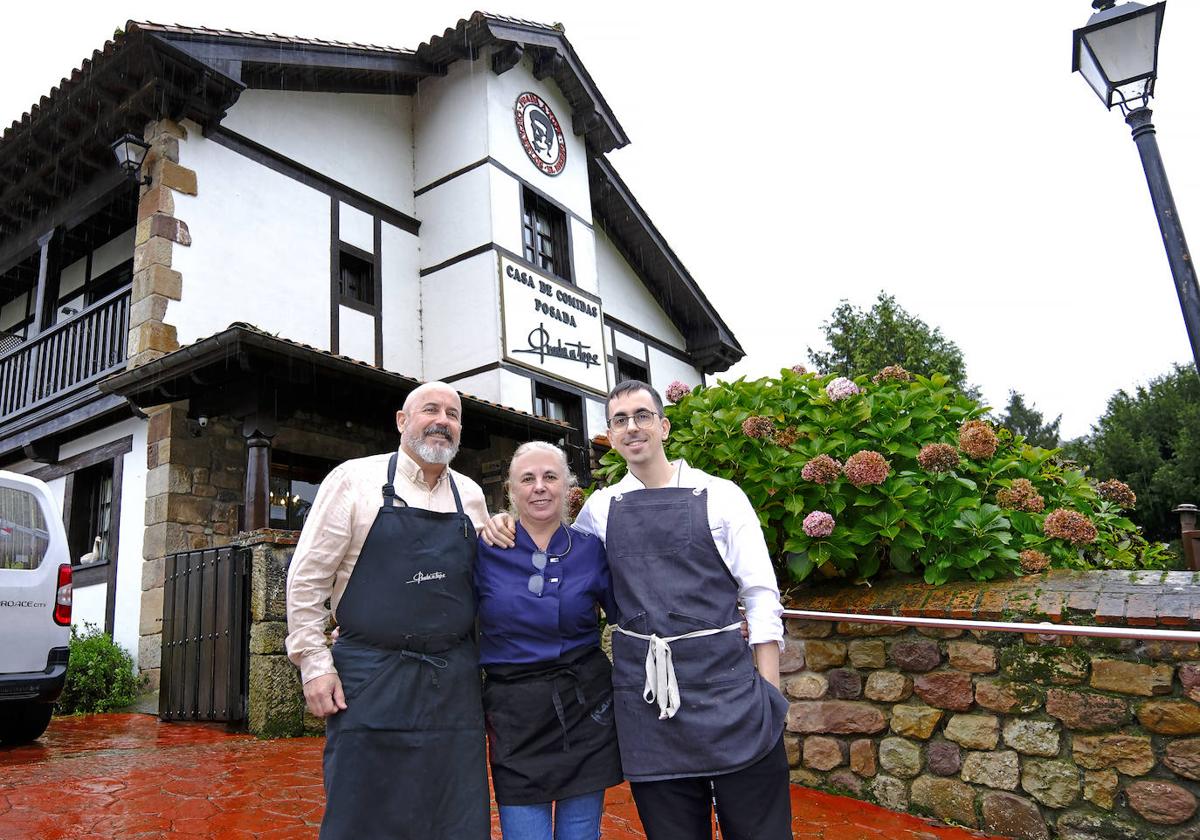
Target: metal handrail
(1043, 629)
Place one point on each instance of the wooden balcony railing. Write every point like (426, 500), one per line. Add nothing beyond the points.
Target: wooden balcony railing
(65, 358)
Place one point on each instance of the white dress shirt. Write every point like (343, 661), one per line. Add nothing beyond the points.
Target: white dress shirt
(736, 532)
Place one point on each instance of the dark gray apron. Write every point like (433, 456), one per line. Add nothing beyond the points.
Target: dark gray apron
(668, 580)
(405, 759)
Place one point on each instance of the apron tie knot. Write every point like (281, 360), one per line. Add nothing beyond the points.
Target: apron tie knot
(661, 685)
(436, 661)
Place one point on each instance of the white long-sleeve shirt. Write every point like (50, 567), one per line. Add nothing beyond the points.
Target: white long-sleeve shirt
(736, 532)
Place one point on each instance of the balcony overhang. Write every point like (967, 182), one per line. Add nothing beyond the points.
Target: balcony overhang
(243, 372)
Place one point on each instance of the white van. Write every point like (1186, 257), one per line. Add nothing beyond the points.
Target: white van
(35, 607)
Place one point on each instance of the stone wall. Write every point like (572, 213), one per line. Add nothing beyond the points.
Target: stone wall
(1029, 736)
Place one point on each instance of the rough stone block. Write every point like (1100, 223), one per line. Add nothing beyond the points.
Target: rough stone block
(975, 732)
(1084, 825)
(821, 656)
(1053, 783)
(972, 658)
(178, 178)
(821, 753)
(867, 653)
(275, 705)
(999, 770)
(268, 637)
(151, 615)
(801, 628)
(1007, 697)
(869, 628)
(805, 686)
(152, 335)
(917, 655)
(940, 632)
(946, 690)
(1009, 815)
(790, 660)
(1100, 788)
(154, 251)
(157, 280)
(890, 792)
(148, 308)
(844, 781)
(943, 758)
(792, 746)
(1183, 758)
(1189, 677)
(1170, 717)
(157, 130)
(156, 200)
(1161, 803)
(268, 582)
(888, 686)
(1086, 711)
(1044, 665)
(947, 799)
(1032, 737)
(839, 717)
(915, 721)
(862, 757)
(163, 539)
(1131, 678)
(154, 573)
(149, 652)
(168, 478)
(900, 757)
(845, 684)
(1128, 754)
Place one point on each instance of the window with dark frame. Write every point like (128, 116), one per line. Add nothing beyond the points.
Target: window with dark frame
(561, 405)
(628, 368)
(89, 533)
(544, 235)
(295, 480)
(356, 278)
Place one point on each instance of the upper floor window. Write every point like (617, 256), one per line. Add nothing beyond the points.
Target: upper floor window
(628, 368)
(356, 277)
(544, 234)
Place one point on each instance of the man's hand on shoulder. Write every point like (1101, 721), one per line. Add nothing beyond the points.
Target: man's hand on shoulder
(500, 531)
(324, 695)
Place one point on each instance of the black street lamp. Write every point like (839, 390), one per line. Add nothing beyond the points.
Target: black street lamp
(1117, 53)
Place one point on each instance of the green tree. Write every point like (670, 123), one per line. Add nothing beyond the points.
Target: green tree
(1150, 439)
(864, 342)
(1028, 422)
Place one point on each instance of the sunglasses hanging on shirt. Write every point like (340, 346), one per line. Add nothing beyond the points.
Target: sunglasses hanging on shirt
(537, 580)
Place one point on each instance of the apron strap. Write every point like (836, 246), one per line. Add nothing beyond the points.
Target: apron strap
(454, 490)
(661, 685)
(389, 489)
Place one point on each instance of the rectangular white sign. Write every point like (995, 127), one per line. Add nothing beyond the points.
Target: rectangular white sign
(552, 327)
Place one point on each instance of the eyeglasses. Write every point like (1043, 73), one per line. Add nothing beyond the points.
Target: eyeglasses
(643, 419)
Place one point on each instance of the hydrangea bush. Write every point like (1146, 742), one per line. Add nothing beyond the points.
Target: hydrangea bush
(852, 477)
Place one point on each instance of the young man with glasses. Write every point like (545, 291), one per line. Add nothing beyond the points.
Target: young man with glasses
(697, 723)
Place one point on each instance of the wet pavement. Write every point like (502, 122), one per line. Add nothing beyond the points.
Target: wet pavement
(130, 776)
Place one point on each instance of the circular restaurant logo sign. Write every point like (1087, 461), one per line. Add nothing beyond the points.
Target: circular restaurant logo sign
(541, 135)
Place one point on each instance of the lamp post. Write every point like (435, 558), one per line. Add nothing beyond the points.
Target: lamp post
(1117, 54)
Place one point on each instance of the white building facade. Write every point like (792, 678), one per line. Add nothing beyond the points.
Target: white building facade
(325, 225)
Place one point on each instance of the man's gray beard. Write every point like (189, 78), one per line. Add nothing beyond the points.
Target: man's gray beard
(432, 454)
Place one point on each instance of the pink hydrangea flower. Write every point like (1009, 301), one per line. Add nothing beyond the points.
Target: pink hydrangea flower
(818, 524)
(841, 388)
(677, 391)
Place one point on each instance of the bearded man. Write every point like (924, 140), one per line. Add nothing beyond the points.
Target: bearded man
(390, 543)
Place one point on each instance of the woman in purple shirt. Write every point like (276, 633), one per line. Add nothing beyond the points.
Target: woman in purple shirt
(548, 695)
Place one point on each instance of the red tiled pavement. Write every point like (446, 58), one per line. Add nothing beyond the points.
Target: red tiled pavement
(130, 776)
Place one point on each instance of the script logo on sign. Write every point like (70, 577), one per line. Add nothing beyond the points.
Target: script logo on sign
(541, 135)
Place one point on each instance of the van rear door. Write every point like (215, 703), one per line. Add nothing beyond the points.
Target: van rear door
(32, 547)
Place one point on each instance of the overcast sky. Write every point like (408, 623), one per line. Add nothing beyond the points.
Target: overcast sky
(795, 155)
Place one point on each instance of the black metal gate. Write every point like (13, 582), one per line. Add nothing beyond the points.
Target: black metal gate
(205, 636)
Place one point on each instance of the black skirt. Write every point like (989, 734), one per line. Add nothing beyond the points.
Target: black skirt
(550, 728)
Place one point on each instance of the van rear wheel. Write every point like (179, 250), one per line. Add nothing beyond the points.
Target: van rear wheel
(24, 722)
